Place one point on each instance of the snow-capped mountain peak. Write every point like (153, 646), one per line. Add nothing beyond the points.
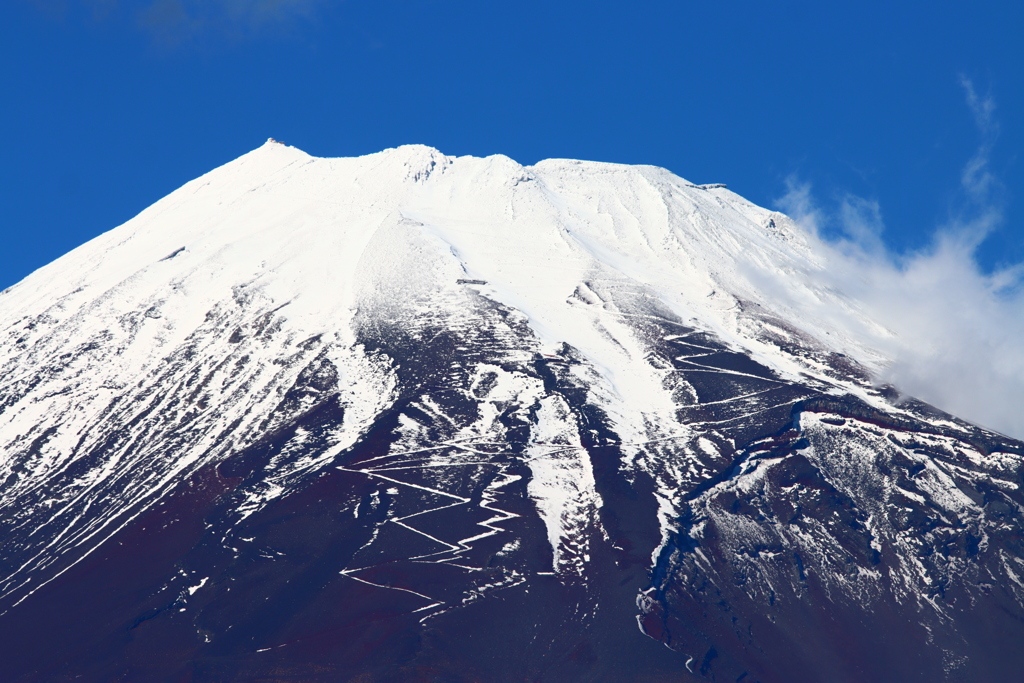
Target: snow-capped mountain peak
(600, 383)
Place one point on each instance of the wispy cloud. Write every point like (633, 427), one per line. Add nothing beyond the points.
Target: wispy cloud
(60, 9)
(958, 331)
(179, 21)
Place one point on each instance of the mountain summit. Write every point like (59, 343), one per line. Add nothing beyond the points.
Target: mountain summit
(410, 417)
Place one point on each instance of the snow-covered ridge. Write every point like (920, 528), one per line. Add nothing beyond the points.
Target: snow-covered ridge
(313, 233)
(233, 305)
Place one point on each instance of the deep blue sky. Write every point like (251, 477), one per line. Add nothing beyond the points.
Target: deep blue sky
(108, 105)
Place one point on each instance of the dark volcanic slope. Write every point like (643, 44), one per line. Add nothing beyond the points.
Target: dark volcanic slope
(429, 485)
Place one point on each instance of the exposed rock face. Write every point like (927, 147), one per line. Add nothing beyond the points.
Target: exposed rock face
(408, 417)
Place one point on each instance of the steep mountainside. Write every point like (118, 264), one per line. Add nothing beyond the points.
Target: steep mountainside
(411, 417)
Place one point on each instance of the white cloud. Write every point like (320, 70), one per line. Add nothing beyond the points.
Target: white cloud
(958, 338)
